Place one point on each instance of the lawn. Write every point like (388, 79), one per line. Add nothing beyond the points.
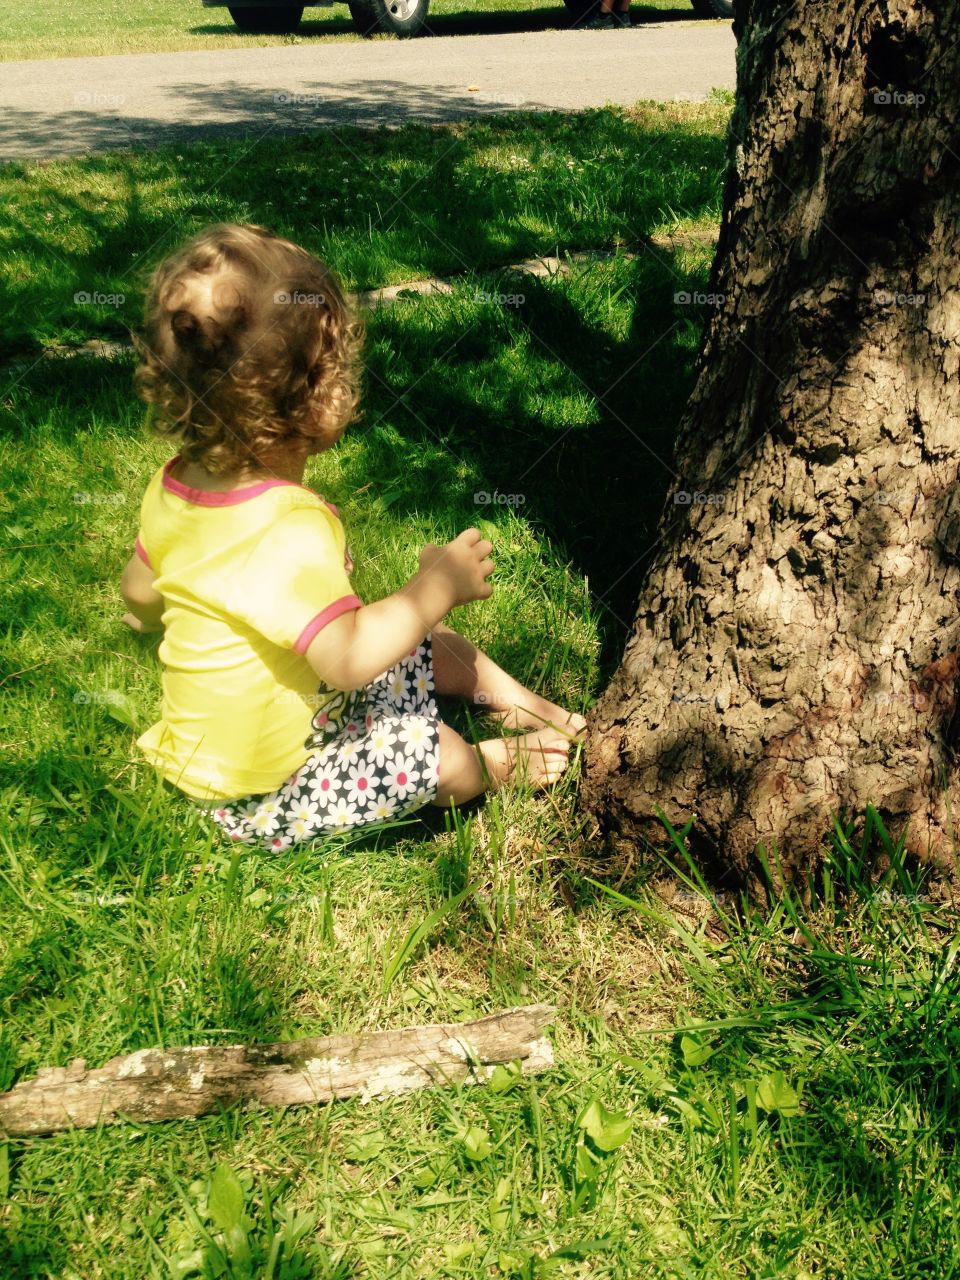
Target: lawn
(76, 28)
(764, 1091)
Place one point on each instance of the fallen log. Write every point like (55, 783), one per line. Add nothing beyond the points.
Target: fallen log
(168, 1084)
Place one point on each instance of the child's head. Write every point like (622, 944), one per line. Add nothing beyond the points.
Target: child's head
(249, 352)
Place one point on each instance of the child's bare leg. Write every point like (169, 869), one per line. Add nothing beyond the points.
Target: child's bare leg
(462, 669)
(466, 772)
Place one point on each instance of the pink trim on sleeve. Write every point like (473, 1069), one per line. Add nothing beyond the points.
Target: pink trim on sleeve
(141, 552)
(343, 605)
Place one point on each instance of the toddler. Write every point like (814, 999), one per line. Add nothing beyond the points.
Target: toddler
(249, 359)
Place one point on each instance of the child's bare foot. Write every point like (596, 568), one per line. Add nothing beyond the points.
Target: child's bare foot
(537, 758)
(533, 712)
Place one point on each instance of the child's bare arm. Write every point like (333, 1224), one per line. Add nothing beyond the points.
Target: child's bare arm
(145, 605)
(353, 649)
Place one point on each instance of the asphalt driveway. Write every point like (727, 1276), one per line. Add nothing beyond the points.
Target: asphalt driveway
(69, 106)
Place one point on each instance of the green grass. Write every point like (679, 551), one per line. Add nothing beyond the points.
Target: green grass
(386, 206)
(76, 28)
(664, 1142)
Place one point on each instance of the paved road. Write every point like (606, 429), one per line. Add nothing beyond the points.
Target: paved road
(66, 106)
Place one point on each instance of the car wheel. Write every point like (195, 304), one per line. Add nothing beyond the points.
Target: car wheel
(402, 18)
(267, 19)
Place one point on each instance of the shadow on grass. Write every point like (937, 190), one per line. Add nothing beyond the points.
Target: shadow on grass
(545, 399)
(23, 1258)
(593, 487)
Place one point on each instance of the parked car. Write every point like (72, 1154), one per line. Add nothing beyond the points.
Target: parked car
(396, 17)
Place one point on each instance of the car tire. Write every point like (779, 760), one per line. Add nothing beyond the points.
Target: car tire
(403, 18)
(267, 19)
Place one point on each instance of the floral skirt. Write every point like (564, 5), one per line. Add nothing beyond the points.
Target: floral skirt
(375, 755)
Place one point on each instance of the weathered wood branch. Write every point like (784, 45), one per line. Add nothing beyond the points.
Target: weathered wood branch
(165, 1084)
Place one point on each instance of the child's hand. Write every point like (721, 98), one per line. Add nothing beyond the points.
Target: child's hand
(144, 628)
(463, 566)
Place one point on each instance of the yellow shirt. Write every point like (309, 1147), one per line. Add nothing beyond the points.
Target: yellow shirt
(248, 578)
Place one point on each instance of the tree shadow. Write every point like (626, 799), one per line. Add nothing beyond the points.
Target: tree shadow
(593, 472)
(183, 101)
(26, 1258)
(232, 109)
(594, 488)
(467, 21)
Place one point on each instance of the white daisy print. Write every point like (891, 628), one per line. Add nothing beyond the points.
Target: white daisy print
(401, 778)
(423, 794)
(422, 681)
(304, 811)
(380, 745)
(298, 784)
(343, 814)
(416, 736)
(398, 684)
(267, 819)
(412, 658)
(381, 809)
(361, 784)
(324, 786)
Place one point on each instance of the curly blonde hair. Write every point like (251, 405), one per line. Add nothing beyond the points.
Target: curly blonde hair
(249, 351)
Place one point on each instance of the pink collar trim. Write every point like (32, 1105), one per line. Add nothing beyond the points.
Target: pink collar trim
(204, 498)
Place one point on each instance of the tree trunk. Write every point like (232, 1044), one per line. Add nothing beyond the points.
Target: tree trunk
(796, 645)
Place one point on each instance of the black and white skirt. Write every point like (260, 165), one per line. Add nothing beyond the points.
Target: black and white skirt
(375, 755)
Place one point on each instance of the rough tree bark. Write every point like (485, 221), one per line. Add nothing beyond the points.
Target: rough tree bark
(797, 640)
(196, 1080)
